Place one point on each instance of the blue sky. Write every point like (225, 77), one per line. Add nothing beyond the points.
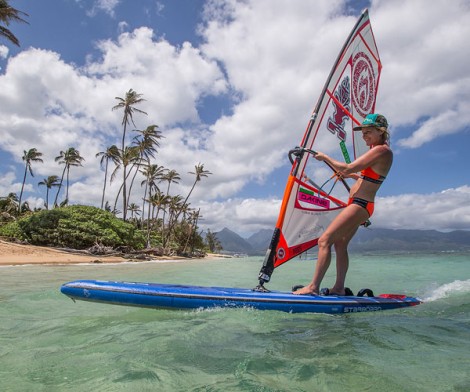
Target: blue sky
(231, 84)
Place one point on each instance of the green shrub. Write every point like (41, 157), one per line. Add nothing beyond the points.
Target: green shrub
(78, 227)
(11, 230)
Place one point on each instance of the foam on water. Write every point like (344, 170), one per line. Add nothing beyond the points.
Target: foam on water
(448, 289)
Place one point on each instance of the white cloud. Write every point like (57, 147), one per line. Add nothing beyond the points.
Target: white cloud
(9, 184)
(107, 6)
(425, 76)
(3, 52)
(446, 210)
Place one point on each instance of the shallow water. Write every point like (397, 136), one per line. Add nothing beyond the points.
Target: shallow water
(49, 343)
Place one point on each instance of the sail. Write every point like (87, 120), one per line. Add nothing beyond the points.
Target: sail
(314, 195)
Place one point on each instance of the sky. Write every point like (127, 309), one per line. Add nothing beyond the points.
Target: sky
(231, 84)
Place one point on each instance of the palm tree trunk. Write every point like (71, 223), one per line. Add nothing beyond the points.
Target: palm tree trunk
(67, 184)
(104, 185)
(47, 198)
(60, 186)
(22, 188)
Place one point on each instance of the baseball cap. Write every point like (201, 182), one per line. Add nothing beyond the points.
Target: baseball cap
(373, 120)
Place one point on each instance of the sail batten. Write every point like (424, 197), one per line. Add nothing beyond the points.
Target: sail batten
(348, 95)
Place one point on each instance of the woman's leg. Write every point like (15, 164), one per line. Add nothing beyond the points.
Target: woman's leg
(343, 227)
(342, 263)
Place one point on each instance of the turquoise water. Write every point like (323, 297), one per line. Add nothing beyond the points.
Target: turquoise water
(49, 343)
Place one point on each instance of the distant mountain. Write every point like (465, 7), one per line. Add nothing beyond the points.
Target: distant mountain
(410, 240)
(232, 243)
(370, 240)
(260, 240)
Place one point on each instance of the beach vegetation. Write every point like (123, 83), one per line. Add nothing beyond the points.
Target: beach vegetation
(77, 227)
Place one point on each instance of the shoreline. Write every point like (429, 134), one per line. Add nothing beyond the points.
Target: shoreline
(12, 254)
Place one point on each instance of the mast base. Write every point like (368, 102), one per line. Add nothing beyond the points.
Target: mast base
(261, 289)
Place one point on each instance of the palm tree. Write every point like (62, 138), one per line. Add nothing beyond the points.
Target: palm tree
(175, 207)
(146, 143)
(183, 207)
(158, 201)
(8, 14)
(111, 153)
(9, 204)
(127, 104)
(134, 209)
(192, 222)
(49, 182)
(32, 155)
(199, 173)
(129, 157)
(70, 157)
(213, 242)
(171, 176)
(153, 175)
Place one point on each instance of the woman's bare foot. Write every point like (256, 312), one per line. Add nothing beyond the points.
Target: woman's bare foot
(307, 290)
(335, 291)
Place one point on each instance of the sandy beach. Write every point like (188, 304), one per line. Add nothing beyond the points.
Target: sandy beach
(17, 254)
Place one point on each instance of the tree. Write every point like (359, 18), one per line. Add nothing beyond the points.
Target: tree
(212, 241)
(127, 157)
(153, 175)
(158, 201)
(111, 153)
(9, 204)
(30, 156)
(127, 104)
(192, 221)
(145, 142)
(70, 157)
(171, 176)
(199, 173)
(7, 15)
(183, 206)
(49, 182)
(134, 209)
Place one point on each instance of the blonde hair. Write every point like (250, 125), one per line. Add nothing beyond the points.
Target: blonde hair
(385, 135)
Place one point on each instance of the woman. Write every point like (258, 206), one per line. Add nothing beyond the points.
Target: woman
(373, 166)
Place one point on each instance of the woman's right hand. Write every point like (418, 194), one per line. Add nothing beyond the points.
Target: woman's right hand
(319, 156)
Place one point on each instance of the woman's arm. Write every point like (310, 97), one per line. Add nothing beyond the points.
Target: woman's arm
(366, 160)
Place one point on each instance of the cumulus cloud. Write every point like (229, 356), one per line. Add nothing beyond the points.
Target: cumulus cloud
(425, 80)
(446, 210)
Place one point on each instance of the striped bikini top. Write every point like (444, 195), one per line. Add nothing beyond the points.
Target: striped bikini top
(370, 175)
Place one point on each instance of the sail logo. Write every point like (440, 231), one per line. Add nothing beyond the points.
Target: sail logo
(336, 122)
(312, 199)
(363, 84)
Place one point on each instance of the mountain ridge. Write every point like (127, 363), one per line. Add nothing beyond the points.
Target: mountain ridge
(365, 240)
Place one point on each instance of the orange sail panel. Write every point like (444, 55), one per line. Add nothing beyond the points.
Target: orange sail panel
(314, 193)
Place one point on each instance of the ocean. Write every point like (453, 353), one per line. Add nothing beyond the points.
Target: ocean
(49, 343)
